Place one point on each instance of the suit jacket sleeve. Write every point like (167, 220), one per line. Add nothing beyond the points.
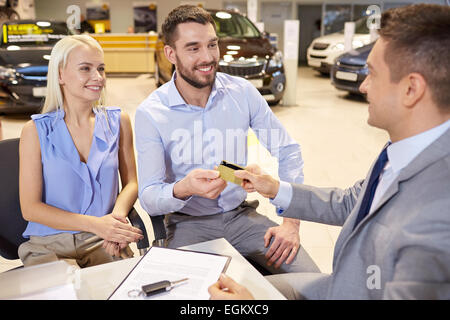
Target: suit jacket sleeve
(324, 205)
(422, 265)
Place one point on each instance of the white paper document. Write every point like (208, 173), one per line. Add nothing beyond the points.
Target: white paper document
(159, 264)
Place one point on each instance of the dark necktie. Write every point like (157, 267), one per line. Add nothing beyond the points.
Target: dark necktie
(372, 186)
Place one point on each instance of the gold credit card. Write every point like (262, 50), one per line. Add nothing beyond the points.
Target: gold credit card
(227, 169)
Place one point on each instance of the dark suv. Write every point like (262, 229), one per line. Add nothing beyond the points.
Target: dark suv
(350, 69)
(244, 52)
(24, 54)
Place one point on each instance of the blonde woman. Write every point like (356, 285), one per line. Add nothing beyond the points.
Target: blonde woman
(70, 159)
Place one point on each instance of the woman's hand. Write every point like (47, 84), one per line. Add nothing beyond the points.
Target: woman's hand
(115, 229)
(114, 248)
(111, 248)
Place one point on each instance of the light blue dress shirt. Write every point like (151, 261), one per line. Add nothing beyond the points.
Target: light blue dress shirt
(400, 154)
(86, 188)
(174, 138)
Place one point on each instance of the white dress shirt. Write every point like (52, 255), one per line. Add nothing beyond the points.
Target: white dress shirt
(174, 138)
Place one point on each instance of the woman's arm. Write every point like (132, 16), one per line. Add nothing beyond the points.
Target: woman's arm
(33, 209)
(127, 169)
(128, 176)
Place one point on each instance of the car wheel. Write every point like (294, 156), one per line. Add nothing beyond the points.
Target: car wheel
(274, 103)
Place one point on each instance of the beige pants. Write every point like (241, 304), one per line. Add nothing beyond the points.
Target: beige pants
(82, 249)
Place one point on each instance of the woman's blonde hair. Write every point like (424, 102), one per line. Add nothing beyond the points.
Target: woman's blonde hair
(54, 99)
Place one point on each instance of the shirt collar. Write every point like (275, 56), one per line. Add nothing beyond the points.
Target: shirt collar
(402, 152)
(175, 98)
(101, 126)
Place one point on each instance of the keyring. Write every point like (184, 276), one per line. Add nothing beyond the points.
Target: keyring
(134, 293)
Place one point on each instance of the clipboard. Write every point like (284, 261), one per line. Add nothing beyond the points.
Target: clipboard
(157, 264)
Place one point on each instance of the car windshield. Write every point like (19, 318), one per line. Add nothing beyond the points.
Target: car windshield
(360, 26)
(234, 25)
(33, 33)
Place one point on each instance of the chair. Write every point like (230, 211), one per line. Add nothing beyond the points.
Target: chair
(12, 224)
(137, 222)
(159, 231)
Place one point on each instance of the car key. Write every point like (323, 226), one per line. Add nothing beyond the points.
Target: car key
(161, 286)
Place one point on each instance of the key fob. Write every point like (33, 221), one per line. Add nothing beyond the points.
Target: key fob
(155, 288)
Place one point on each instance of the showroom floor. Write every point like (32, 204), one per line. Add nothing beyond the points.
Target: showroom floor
(338, 145)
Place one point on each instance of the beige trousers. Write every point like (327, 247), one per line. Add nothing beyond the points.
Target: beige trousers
(82, 249)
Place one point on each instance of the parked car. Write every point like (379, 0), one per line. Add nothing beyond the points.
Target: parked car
(244, 52)
(350, 69)
(24, 53)
(323, 51)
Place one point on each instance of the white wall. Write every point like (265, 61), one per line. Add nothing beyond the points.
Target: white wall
(121, 11)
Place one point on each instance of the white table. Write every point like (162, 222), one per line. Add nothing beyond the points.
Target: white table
(99, 282)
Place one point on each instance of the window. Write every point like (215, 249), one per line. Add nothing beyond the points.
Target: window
(235, 26)
(335, 17)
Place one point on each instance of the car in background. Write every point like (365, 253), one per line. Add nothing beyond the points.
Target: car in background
(244, 52)
(323, 51)
(350, 69)
(24, 54)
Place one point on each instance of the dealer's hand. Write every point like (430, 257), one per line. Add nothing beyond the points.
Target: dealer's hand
(228, 289)
(254, 179)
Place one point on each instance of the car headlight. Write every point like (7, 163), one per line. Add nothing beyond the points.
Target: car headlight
(7, 73)
(341, 47)
(277, 60)
(338, 47)
(357, 44)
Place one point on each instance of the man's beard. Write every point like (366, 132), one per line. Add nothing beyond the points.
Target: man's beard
(189, 78)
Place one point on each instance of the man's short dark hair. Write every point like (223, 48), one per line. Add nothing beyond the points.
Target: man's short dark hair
(183, 14)
(418, 40)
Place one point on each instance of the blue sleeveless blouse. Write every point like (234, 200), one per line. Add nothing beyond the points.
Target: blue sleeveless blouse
(68, 183)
